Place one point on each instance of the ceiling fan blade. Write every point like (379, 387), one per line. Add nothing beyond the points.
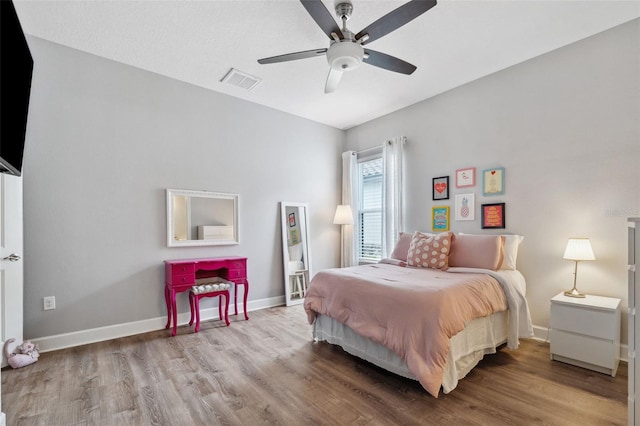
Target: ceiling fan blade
(293, 56)
(388, 62)
(333, 79)
(323, 18)
(395, 19)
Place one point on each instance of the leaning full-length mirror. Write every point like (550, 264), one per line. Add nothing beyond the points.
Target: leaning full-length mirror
(201, 218)
(295, 250)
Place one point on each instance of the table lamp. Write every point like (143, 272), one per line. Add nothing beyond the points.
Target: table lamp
(577, 249)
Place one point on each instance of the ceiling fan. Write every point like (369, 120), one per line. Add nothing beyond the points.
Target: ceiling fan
(345, 51)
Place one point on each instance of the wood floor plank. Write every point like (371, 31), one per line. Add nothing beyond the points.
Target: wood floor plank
(267, 371)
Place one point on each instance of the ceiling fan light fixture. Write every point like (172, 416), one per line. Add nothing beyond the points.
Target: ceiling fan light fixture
(345, 56)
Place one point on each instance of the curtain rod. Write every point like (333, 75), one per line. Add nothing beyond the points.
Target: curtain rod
(369, 149)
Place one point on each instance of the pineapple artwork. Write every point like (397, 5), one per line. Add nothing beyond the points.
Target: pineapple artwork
(465, 207)
(464, 210)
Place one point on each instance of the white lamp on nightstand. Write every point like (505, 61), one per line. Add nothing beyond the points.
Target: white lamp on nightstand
(577, 249)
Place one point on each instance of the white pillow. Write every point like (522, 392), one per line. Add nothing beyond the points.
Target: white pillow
(511, 243)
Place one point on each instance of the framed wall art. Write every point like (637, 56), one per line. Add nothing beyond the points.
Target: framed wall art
(493, 216)
(493, 181)
(440, 188)
(466, 177)
(465, 207)
(440, 218)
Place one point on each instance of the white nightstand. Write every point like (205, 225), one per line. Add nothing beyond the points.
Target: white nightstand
(586, 332)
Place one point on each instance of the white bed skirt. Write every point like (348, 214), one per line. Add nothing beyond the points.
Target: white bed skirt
(481, 336)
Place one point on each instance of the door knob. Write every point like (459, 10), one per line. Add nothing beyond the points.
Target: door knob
(13, 257)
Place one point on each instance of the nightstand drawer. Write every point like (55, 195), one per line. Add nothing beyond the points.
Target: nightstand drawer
(583, 320)
(584, 348)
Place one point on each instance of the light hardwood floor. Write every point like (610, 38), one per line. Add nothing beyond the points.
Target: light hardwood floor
(267, 371)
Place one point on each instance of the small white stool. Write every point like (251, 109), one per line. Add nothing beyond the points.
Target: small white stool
(298, 281)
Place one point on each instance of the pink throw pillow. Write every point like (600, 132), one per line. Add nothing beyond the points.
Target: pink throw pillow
(430, 250)
(402, 247)
(477, 251)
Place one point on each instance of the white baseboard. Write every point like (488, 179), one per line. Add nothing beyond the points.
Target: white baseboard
(83, 337)
(541, 333)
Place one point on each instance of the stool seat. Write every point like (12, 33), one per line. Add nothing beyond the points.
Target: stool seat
(197, 292)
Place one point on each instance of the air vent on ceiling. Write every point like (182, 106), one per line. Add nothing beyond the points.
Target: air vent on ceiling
(241, 79)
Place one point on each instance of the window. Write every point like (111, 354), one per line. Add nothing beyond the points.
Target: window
(373, 183)
(370, 197)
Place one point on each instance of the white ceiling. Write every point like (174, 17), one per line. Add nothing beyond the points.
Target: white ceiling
(199, 41)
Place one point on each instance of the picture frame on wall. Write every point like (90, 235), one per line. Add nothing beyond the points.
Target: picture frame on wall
(440, 188)
(465, 207)
(493, 181)
(440, 218)
(493, 216)
(466, 177)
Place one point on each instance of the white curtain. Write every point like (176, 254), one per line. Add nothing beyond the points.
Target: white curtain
(393, 216)
(349, 252)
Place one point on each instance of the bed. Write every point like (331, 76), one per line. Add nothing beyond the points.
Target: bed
(429, 320)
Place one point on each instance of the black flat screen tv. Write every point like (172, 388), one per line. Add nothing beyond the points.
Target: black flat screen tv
(16, 68)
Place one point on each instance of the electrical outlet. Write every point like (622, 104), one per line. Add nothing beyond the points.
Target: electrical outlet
(49, 303)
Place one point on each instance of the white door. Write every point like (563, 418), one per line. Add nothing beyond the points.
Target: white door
(11, 265)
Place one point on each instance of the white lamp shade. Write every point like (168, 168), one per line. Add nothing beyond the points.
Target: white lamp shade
(344, 215)
(578, 249)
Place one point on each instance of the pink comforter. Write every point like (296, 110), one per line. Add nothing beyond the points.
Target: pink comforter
(412, 311)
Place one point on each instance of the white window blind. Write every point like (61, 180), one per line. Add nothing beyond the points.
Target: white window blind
(370, 174)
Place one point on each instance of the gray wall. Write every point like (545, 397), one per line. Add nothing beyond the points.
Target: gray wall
(104, 142)
(566, 127)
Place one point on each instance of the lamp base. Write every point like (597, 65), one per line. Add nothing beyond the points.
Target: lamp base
(574, 293)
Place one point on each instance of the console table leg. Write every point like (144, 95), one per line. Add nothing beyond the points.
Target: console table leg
(197, 309)
(174, 313)
(168, 302)
(235, 298)
(226, 309)
(246, 294)
(191, 308)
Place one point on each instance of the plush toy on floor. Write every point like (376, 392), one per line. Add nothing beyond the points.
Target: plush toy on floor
(25, 354)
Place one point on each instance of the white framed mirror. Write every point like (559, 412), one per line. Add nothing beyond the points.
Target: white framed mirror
(201, 218)
(296, 252)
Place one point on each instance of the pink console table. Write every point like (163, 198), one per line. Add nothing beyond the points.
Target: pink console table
(181, 274)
